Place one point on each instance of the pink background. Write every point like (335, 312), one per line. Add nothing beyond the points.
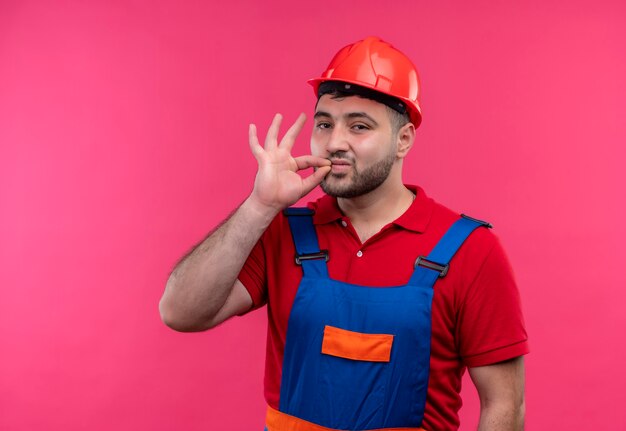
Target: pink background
(123, 141)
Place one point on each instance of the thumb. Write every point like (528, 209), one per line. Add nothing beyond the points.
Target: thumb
(313, 180)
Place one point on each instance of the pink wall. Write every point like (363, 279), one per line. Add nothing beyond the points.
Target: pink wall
(123, 141)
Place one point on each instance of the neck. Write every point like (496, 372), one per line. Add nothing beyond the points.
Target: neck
(369, 213)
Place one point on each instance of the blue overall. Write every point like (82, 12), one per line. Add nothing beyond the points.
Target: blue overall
(341, 392)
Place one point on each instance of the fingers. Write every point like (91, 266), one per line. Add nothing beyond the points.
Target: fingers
(304, 162)
(310, 182)
(257, 150)
(290, 137)
(271, 140)
(253, 140)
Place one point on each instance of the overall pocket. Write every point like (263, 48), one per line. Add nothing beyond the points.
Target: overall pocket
(354, 371)
(356, 345)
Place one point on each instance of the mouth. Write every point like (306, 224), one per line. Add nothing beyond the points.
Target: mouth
(340, 166)
(340, 162)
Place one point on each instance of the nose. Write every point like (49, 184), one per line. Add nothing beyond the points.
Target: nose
(338, 140)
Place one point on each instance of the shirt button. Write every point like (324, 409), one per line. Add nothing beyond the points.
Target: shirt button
(343, 223)
(359, 253)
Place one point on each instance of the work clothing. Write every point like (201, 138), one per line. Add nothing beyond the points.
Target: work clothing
(357, 357)
(476, 317)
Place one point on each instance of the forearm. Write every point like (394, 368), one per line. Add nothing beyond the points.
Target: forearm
(197, 293)
(201, 282)
(502, 417)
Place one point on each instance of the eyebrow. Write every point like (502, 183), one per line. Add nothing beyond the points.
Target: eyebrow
(349, 115)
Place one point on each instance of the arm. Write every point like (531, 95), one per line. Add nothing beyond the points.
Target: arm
(203, 289)
(501, 391)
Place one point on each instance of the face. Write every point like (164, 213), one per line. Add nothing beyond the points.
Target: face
(356, 135)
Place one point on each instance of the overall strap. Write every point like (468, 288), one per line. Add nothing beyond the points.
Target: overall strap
(436, 264)
(308, 253)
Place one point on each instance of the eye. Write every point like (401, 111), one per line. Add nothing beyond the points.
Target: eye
(360, 127)
(323, 125)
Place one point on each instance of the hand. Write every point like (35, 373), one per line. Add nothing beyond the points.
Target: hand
(277, 184)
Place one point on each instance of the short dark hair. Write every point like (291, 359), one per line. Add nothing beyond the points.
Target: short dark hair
(398, 120)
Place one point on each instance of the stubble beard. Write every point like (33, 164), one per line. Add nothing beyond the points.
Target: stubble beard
(362, 182)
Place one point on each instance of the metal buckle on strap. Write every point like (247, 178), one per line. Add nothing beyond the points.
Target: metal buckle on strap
(322, 254)
(481, 222)
(422, 261)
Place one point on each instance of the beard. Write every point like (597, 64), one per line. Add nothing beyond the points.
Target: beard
(362, 182)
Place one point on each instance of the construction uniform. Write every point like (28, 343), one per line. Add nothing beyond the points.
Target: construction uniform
(349, 351)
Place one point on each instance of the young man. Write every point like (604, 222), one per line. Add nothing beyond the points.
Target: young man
(378, 297)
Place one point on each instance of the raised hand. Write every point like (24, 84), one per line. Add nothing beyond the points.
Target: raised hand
(278, 184)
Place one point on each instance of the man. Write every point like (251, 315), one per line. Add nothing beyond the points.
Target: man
(378, 297)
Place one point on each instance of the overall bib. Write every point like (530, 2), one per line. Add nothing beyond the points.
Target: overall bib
(357, 357)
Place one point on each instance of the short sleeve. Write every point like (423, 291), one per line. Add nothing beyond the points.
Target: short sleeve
(490, 325)
(253, 275)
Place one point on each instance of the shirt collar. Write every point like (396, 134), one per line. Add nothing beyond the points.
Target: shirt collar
(415, 218)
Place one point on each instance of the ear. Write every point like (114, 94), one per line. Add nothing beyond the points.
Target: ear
(405, 139)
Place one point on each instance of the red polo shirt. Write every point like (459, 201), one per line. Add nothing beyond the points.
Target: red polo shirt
(476, 319)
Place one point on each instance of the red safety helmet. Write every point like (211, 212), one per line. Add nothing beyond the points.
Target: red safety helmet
(373, 63)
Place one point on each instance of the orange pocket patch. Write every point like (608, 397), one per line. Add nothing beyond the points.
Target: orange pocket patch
(356, 345)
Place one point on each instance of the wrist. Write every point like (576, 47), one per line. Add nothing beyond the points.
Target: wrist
(260, 211)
